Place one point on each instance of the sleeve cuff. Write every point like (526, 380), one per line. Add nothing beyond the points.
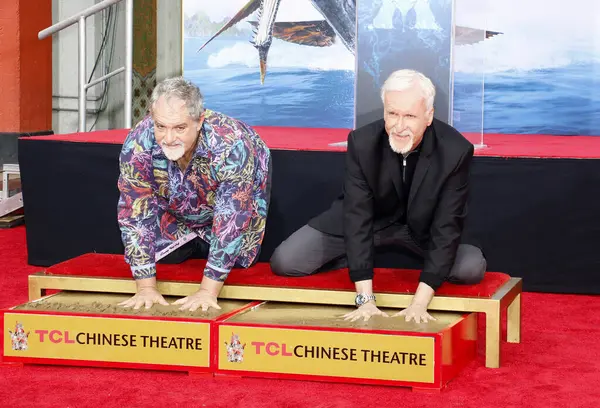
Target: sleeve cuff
(216, 273)
(431, 279)
(144, 271)
(361, 274)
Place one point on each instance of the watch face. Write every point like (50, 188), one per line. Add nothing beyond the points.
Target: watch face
(361, 299)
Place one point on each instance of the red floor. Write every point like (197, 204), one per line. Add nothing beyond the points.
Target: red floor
(497, 145)
(555, 366)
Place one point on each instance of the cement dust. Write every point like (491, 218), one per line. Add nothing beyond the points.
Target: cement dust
(114, 309)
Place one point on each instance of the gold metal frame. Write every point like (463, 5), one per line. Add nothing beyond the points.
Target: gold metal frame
(507, 297)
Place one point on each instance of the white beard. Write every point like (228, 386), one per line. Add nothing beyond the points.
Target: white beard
(173, 153)
(404, 148)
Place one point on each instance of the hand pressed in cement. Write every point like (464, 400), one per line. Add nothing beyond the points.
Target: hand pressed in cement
(202, 298)
(147, 295)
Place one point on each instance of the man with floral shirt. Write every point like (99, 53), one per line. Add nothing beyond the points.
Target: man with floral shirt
(190, 176)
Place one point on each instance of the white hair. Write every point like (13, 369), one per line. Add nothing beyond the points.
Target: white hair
(182, 89)
(404, 79)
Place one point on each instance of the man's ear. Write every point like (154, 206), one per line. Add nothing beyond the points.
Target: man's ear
(200, 122)
(430, 117)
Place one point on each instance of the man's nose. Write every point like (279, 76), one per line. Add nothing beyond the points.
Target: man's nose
(170, 136)
(399, 125)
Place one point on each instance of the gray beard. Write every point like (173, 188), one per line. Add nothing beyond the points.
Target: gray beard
(174, 154)
(401, 149)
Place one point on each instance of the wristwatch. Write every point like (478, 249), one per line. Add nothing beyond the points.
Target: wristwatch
(362, 298)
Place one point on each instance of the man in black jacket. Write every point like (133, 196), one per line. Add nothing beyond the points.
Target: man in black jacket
(406, 185)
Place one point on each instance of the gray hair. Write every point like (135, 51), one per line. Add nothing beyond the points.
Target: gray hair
(404, 79)
(183, 89)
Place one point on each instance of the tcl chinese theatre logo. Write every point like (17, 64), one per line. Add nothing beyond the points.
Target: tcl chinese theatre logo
(317, 352)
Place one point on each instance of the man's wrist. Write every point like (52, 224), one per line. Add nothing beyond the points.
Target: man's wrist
(210, 286)
(145, 283)
(422, 296)
(207, 291)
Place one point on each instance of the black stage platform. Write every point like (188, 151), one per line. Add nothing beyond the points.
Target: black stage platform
(536, 218)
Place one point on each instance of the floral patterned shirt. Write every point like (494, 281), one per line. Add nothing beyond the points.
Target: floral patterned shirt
(221, 196)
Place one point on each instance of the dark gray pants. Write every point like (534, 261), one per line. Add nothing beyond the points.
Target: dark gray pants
(308, 251)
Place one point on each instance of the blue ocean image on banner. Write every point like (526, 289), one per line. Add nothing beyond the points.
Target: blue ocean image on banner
(304, 86)
(542, 73)
(402, 34)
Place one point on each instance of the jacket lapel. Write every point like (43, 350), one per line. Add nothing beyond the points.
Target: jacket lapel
(392, 162)
(422, 164)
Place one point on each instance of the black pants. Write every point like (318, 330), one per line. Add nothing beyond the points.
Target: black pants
(195, 249)
(308, 251)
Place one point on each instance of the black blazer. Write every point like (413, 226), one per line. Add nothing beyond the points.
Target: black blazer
(436, 204)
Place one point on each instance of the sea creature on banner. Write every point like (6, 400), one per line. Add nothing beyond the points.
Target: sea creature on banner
(18, 338)
(235, 349)
(339, 22)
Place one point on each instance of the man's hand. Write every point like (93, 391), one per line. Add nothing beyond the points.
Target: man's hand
(205, 298)
(417, 309)
(202, 298)
(417, 313)
(146, 295)
(367, 310)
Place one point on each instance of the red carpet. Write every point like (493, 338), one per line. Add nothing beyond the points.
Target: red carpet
(319, 139)
(557, 365)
